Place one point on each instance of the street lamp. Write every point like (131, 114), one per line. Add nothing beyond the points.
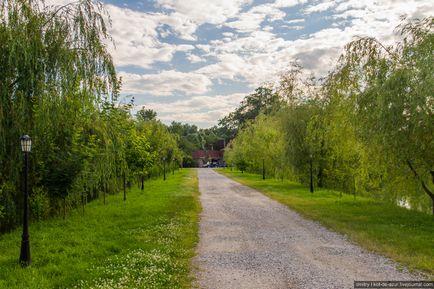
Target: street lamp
(311, 174)
(26, 147)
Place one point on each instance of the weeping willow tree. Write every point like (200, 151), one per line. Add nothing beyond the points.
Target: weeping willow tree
(57, 84)
(368, 126)
(392, 92)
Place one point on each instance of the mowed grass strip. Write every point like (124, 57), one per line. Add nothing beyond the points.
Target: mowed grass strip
(144, 242)
(403, 235)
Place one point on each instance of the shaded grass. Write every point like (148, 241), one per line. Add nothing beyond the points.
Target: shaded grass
(145, 242)
(403, 235)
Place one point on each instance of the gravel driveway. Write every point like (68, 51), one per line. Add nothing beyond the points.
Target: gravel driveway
(248, 240)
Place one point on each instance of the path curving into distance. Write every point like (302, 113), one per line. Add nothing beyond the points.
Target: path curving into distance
(248, 240)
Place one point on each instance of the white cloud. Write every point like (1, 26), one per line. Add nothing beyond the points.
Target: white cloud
(228, 34)
(288, 3)
(254, 52)
(194, 58)
(293, 27)
(136, 36)
(204, 47)
(204, 111)
(205, 11)
(295, 21)
(182, 26)
(165, 83)
(251, 58)
(247, 22)
(320, 7)
(251, 20)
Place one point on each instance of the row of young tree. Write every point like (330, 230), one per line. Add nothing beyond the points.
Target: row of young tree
(58, 84)
(367, 127)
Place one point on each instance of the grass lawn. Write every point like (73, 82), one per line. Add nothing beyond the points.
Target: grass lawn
(400, 234)
(145, 242)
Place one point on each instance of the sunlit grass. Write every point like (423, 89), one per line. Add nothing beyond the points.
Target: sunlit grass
(403, 235)
(145, 242)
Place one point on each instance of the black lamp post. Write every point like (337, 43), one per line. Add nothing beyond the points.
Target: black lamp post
(311, 174)
(164, 168)
(26, 147)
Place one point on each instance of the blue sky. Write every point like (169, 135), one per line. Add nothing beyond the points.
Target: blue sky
(194, 60)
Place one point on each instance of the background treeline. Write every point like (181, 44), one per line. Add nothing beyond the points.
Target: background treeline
(191, 138)
(58, 84)
(367, 127)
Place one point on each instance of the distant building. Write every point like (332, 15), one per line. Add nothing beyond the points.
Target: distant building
(213, 156)
(203, 157)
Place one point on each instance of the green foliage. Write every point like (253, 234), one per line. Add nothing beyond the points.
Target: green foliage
(190, 138)
(146, 114)
(260, 141)
(145, 242)
(8, 215)
(138, 156)
(39, 204)
(58, 84)
(263, 100)
(368, 126)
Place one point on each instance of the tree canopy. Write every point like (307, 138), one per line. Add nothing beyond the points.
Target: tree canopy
(58, 84)
(367, 127)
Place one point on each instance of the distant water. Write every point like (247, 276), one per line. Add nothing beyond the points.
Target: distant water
(405, 203)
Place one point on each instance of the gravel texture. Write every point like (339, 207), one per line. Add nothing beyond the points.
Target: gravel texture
(248, 240)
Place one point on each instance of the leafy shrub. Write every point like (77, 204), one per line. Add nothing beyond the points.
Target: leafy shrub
(39, 203)
(7, 206)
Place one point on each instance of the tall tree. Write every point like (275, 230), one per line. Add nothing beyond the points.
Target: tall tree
(396, 102)
(263, 100)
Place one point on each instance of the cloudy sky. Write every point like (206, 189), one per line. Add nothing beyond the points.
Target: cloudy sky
(194, 60)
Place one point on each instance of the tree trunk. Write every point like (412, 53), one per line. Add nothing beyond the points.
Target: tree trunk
(143, 183)
(320, 174)
(432, 199)
(125, 187)
(424, 186)
(64, 208)
(311, 175)
(263, 169)
(82, 200)
(354, 187)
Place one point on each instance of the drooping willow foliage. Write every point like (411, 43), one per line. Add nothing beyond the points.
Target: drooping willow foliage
(58, 84)
(367, 128)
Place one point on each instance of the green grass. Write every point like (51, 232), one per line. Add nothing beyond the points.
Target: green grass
(145, 242)
(403, 235)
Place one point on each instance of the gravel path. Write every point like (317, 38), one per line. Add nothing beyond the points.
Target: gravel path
(248, 240)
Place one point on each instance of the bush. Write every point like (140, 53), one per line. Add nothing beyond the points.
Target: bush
(7, 206)
(39, 204)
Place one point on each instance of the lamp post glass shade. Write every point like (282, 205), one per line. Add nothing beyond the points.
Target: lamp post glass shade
(26, 143)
